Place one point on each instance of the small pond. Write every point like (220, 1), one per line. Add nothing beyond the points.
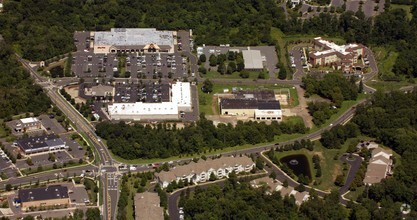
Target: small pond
(298, 163)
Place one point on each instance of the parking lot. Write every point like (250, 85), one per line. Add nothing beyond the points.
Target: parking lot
(51, 125)
(268, 53)
(8, 168)
(86, 64)
(298, 62)
(42, 160)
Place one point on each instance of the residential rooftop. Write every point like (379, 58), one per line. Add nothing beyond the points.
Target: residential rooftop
(202, 166)
(147, 206)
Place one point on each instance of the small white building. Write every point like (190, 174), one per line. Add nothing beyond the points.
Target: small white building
(27, 124)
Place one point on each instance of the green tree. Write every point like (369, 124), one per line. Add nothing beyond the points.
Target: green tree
(9, 187)
(282, 73)
(203, 58)
(207, 86)
(213, 60)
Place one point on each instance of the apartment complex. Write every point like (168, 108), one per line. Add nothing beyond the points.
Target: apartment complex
(379, 166)
(275, 185)
(44, 143)
(126, 40)
(54, 195)
(147, 206)
(343, 57)
(201, 171)
(179, 101)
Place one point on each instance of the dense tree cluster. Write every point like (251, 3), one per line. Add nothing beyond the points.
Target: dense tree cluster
(391, 118)
(237, 201)
(321, 111)
(17, 92)
(333, 86)
(240, 201)
(336, 137)
(44, 29)
(162, 141)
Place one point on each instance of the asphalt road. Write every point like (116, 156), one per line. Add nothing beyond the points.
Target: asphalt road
(355, 164)
(50, 175)
(81, 126)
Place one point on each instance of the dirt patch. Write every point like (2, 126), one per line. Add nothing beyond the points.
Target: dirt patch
(283, 99)
(214, 105)
(301, 109)
(73, 91)
(336, 171)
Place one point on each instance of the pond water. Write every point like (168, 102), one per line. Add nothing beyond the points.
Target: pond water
(298, 163)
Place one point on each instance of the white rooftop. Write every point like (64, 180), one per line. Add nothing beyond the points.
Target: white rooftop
(252, 59)
(29, 120)
(181, 94)
(133, 36)
(140, 108)
(181, 97)
(334, 47)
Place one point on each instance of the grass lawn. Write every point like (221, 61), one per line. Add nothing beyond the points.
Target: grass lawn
(279, 36)
(235, 75)
(294, 119)
(406, 8)
(353, 195)
(388, 85)
(385, 58)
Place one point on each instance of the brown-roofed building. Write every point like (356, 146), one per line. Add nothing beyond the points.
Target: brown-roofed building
(147, 206)
(201, 171)
(379, 166)
(344, 57)
(271, 183)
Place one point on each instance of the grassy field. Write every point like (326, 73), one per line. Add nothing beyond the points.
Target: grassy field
(279, 36)
(353, 195)
(406, 8)
(206, 100)
(385, 58)
(235, 75)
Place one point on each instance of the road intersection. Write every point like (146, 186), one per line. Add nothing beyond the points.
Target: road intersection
(107, 168)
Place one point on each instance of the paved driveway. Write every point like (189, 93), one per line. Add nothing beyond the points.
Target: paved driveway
(355, 164)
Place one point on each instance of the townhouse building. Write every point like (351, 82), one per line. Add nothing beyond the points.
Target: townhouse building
(203, 169)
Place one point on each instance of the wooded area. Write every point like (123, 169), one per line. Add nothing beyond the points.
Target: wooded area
(17, 91)
(41, 30)
(162, 141)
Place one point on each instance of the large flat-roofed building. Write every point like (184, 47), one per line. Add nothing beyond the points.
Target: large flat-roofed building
(54, 195)
(27, 124)
(179, 100)
(44, 143)
(258, 109)
(252, 60)
(344, 57)
(201, 171)
(147, 40)
(147, 206)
